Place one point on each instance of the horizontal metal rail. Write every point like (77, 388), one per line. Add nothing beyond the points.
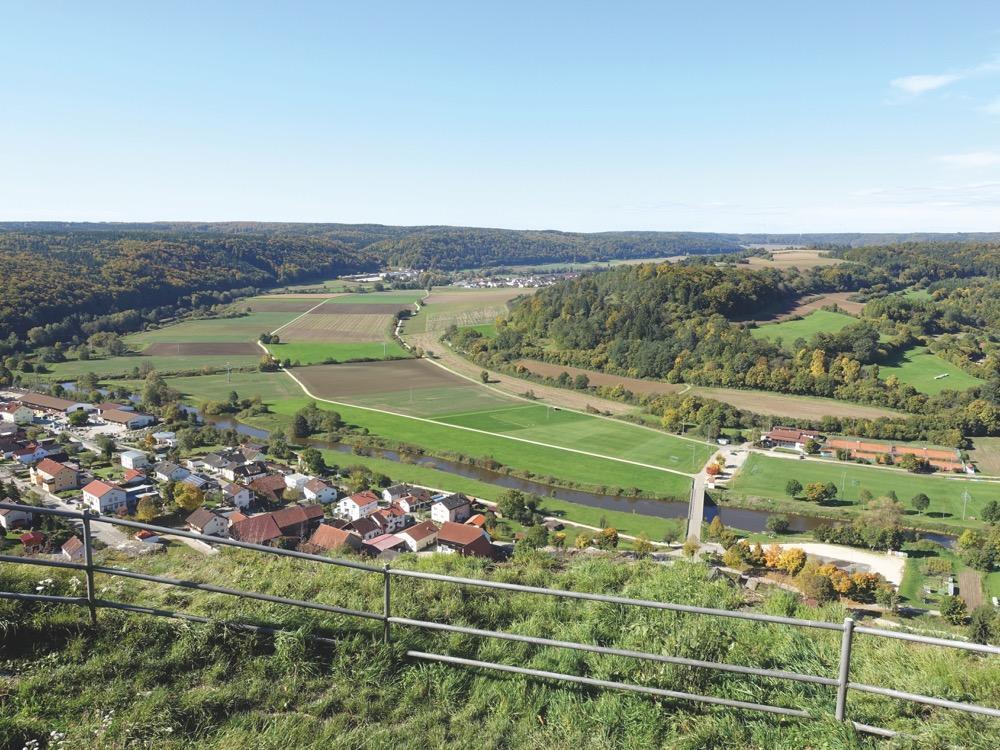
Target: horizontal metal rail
(970, 708)
(593, 682)
(720, 666)
(977, 647)
(774, 619)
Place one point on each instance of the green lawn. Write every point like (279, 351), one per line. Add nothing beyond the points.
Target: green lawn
(488, 330)
(586, 432)
(72, 369)
(270, 386)
(312, 353)
(437, 402)
(244, 328)
(764, 476)
(919, 367)
(791, 330)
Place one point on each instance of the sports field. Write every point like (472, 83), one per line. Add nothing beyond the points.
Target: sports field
(791, 330)
(766, 476)
(421, 389)
(922, 369)
(462, 307)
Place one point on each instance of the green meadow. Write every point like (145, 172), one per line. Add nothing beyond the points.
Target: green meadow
(313, 352)
(765, 476)
(805, 328)
(920, 368)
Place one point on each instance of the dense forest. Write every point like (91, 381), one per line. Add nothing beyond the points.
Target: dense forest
(680, 323)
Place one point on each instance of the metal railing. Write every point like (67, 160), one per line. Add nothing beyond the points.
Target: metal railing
(842, 683)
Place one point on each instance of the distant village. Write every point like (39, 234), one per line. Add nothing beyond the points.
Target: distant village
(243, 494)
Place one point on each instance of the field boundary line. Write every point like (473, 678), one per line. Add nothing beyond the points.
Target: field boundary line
(566, 408)
(486, 432)
(285, 325)
(457, 415)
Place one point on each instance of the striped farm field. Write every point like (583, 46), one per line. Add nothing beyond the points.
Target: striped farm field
(337, 328)
(462, 307)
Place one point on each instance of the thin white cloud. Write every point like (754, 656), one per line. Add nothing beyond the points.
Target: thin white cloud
(920, 84)
(971, 159)
(916, 85)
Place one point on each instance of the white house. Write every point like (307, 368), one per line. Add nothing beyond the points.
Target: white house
(366, 528)
(16, 413)
(73, 549)
(318, 491)
(419, 536)
(13, 519)
(454, 508)
(358, 505)
(395, 492)
(170, 472)
(30, 454)
(237, 495)
(204, 521)
(165, 439)
(134, 460)
(296, 481)
(103, 497)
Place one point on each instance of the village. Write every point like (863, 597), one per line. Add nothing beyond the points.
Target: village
(236, 491)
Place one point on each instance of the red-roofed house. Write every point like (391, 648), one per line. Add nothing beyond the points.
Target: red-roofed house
(104, 497)
(298, 520)
(366, 527)
(419, 536)
(790, 437)
(270, 488)
(53, 476)
(33, 541)
(319, 491)
(257, 529)
(384, 543)
(463, 539)
(72, 550)
(358, 505)
(237, 495)
(327, 538)
(16, 413)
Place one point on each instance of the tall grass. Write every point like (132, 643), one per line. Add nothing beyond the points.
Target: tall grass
(137, 681)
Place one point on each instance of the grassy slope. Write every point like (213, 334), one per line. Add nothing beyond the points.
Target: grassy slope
(312, 352)
(806, 328)
(763, 476)
(918, 367)
(139, 681)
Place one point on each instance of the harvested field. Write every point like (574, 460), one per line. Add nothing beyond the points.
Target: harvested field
(221, 348)
(805, 305)
(337, 328)
(970, 588)
(636, 385)
(410, 386)
(760, 402)
(360, 309)
(796, 257)
(487, 296)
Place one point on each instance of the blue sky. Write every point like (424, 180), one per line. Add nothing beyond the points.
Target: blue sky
(784, 117)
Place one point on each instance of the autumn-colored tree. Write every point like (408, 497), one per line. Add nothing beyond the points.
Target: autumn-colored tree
(713, 470)
(690, 547)
(188, 497)
(559, 539)
(608, 538)
(642, 545)
(757, 555)
(583, 540)
(792, 560)
(772, 556)
(816, 492)
(146, 510)
(716, 528)
(864, 586)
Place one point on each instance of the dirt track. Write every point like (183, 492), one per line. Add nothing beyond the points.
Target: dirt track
(226, 348)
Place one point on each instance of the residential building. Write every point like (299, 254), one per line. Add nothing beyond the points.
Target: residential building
(165, 439)
(319, 491)
(327, 538)
(16, 413)
(29, 454)
(419, 536)
(358, 505)
(418, 500)
(454, 508)
(73, 550)
(385, 543)
(204, 521)
(133, 460)
(790, 437)
(296, 481)
(256, 530)
(237, 495)
(391, 519)
(34, 542)
(270, 489)
(54, 477)
(396, 491)
(298, 520)
(244, 473)
(463, 539)
(166, 471)
(104, 497)
(366, 528)
(14, 519)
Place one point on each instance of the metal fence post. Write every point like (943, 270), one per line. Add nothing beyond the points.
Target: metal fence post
(844, 673)
(386, 611)
(88, 558)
